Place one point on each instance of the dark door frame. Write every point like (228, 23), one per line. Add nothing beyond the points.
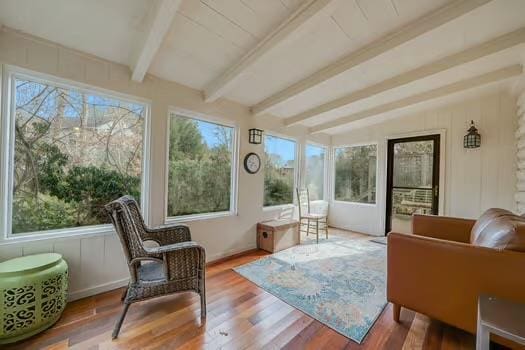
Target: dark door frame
(390, 173)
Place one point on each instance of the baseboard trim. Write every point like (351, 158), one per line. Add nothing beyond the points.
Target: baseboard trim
(354, 231)
(230, 257)
(106, 287)
(101, 288)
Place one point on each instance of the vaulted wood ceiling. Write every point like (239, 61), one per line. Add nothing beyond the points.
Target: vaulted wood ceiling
(326, 64)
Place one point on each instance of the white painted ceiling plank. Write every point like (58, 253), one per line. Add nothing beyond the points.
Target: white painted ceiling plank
(487, 78)
(239, 13)
(216, 22)
(161, 23)
(306, 12)
(484, 49)
(106, 29)
(394, 39)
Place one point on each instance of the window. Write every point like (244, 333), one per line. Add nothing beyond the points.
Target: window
(72, 151)
(279, 170)
(315, 171)
(200, 167)
(355, 174)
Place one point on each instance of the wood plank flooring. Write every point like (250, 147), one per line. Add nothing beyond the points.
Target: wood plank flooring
(240, 316)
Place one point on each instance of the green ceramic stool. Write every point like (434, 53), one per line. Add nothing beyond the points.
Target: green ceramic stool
(33, 294)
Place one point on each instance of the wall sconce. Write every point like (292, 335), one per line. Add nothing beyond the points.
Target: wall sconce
(473, 138)
(255, 136)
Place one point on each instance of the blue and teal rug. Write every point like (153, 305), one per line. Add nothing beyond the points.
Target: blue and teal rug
(339, 282)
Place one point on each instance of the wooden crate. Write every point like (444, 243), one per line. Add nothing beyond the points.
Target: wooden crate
(277, 235)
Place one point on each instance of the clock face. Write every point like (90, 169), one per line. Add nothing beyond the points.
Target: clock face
(252, 163)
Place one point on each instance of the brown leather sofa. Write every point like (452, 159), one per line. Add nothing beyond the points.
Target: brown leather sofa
(442, 268)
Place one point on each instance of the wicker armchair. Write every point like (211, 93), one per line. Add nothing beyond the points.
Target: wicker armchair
(176, 265)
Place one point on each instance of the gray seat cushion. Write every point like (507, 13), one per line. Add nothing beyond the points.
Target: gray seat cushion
(151, 271)
(313, 216)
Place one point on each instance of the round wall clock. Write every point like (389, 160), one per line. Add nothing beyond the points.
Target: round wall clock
(252, 163)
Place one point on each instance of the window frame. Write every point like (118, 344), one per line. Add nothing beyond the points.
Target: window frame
(234, 166)
(325, 167)
(297, 172)
(9, 74)
(334, 148)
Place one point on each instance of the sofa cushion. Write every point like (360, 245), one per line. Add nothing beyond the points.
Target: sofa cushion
(485, 219)
(503, 231)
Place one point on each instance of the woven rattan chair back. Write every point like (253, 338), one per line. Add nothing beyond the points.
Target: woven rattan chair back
(126, 226)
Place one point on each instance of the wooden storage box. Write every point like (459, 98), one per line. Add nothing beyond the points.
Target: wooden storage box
(277, 235)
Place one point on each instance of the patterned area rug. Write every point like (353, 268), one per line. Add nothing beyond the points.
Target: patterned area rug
(339, 282)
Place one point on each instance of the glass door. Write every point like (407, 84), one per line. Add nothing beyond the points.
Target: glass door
(412, 180)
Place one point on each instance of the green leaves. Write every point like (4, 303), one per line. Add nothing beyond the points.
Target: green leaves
(278, 190)
(199, 175)
(355, 173)
(69, 197)
(42, 213)
(74, 153)
(186, 141)
(199, 186)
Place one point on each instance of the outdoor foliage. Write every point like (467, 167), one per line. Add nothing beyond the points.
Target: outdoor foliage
(279, 168)
(355, 174)
(199, 178)
(315, 167)
(74, 153)
(413, 171)
(413, 164)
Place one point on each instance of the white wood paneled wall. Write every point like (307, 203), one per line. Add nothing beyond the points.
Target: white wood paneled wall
(96, 263)
(520, 172)
(475, 179)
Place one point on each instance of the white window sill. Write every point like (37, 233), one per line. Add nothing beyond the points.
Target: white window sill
(278, 207)
(68, 233)
(355, 203)
(197, 217)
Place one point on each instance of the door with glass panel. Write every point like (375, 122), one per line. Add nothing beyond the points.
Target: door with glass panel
(412, 180)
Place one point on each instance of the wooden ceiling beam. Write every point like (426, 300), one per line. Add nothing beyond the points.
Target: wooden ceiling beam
(306, 12)
(393, 39)
(160, 25)
(483, 79)
(489, 47)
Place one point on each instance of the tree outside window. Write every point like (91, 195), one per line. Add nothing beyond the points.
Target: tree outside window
(279, 170)
(315, 171)
(74, 152)
(355, 174)
(199, 167)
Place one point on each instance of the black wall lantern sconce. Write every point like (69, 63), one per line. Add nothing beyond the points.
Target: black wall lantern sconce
(473, 138)
(255, 136)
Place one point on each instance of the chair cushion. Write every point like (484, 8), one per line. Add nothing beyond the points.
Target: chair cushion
(485, 219)
(499, 229)
(313, 216)
(151, 271)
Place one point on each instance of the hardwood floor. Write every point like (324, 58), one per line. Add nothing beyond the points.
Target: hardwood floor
(240, 315)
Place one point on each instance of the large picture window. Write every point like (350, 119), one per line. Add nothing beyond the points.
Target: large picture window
(315, 171)
(355, 174)
(200, 167)
(71, 152)
(279, 170)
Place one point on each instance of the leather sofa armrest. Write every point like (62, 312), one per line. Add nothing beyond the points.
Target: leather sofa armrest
(442, 227)
(443, 279)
